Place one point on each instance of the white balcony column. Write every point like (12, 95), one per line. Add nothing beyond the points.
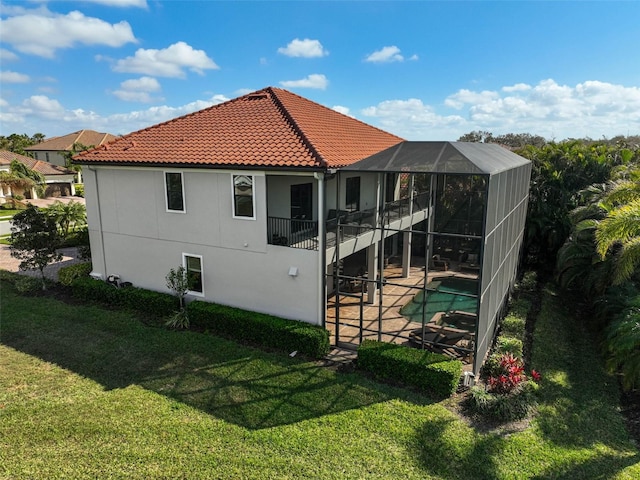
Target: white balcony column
(372, 270)
(406, 254)
(406, 239)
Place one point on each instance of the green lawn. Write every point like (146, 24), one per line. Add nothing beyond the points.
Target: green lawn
(6, 214)
(91, 393)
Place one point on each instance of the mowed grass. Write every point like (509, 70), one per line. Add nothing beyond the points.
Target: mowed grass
(92, 393)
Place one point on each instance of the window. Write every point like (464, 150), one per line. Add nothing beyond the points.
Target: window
(352, 203)
(47, 156)
(193, 266)
(174, 191)
(243, 200)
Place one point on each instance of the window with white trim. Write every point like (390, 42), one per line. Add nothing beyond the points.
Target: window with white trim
(243, 199)
(174, 191)
(195, 280)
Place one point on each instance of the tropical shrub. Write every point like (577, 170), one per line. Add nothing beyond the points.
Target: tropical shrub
(622, 345)
(508, 393)
(79, 187)
(259, 329)
(434, 373)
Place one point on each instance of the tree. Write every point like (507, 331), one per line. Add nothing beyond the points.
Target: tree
(34, 240)
(68, 156)
(67, 215)
(21, 177)
(18, 142)
(178, 282)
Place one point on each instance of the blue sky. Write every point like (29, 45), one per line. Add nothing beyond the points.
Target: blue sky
(421, 70)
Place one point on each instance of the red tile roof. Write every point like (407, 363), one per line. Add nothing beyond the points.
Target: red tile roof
(6, 157)
(267, 128)
(65, 143)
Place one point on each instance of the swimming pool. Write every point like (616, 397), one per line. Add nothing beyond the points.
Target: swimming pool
(446, 298)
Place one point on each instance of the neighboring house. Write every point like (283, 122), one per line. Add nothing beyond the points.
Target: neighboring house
(53, 150)
(275, 203)
(59, 180)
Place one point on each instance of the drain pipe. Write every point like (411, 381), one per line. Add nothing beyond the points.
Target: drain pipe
(322, 253)
(104, 254)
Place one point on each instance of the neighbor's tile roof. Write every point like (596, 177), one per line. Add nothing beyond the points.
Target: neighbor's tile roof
(267, 128)
(65, 143)
(46, 169)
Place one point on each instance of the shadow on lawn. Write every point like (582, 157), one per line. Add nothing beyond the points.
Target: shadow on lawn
(238, 384)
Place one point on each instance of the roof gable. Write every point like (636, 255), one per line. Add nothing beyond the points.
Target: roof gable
(66, 142)
(6, 157)
(267, 128)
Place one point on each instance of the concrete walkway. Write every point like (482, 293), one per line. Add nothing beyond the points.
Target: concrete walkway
(69, 257)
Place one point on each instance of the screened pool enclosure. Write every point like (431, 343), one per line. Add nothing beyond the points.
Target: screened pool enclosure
(431, 261)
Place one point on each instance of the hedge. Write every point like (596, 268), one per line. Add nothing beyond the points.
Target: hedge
(145, 301)
(434, 373)
(66, 275)
(260, 329)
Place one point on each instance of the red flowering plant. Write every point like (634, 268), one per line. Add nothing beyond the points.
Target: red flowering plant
(510, 375)
(509, 393)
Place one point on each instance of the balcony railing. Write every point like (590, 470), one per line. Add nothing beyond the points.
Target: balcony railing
(304, 233)
(293, 233)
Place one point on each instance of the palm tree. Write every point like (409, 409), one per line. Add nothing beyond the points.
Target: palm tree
(67, 215)
(621, 228)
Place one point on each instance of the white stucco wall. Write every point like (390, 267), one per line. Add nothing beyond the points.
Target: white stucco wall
(368, 186)
(132, 235)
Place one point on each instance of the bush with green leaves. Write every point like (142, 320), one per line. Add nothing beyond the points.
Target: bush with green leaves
(27, 285)
(513, 326)
(259, 329)
(79, 188)
(510, 345)
(66, 275)
(433, 373)
(178, 283)
(148, 302)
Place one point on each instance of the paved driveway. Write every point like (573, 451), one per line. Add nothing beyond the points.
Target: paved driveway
(69, 257)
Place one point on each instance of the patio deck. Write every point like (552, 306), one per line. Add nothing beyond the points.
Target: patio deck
(395, 327)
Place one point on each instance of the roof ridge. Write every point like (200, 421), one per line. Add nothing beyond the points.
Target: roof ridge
(339, 113)
(305, 140)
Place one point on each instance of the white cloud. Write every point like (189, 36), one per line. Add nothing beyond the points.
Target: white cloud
(40, 32)
(518, 87)
(590, 109)
(306, 48)
(464, 96)
(7, 76)
(7, 56)
(414, 57)
(342, 110)
(138, 90)
(123, 3)
(413, 120)
(315, 80)
(168, 62)
(385, 55)
(142, 84)
(40, 113)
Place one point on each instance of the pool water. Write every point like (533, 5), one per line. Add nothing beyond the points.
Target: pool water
(445, 299)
